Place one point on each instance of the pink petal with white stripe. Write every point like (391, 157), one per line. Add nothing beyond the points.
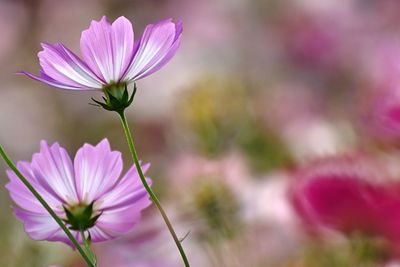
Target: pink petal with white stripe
(107, 48)
(97, 169)
(23, 197)
(53, 168)
(156, 47)
(41, 226)
(121, 207)
(63, 67)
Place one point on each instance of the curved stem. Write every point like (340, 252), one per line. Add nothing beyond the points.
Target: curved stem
(153, 196)
(12, 166)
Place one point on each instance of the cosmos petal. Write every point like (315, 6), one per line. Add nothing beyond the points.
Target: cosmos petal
(128, 190)
(121, 220)
(122, 206)
(99, 235)
(53, 169)
(50, 81)
(63, 66)
(40, 226)
(107, 48)
(23, 197)
(97, 169)
(156, 47)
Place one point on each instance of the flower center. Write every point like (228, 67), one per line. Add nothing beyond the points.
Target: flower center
(81, 216)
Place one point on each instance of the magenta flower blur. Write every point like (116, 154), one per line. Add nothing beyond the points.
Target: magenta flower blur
(380, 95)
(87, 193)
(382, 116)
(347, 195)
(110, 55)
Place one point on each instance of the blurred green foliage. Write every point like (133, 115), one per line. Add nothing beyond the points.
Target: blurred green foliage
(356, 251)
(218, 112)
(213, 109)
(219, 208)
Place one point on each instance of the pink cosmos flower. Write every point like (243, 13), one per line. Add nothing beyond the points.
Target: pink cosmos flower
(347, 195)
(110, 55)
(86, 193)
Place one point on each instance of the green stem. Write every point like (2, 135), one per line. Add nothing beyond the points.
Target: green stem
(12, 166)
(153, 196)
(87, 242)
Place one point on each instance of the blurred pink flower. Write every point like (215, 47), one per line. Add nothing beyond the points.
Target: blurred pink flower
(381, 95)
(91, 185)
(303, 104)
(307, 40)
(146, 246)
(110, 55)
(345, 194)
(192, 169)
(383, 118)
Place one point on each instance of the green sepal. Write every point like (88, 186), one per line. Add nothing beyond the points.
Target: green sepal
(80, 218)
(116, 98)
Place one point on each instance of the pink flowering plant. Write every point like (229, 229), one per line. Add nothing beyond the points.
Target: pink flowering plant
(85, 200)
(88, 193)
(111, 59)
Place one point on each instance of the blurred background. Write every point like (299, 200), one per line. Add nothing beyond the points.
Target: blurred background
(259, 92)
